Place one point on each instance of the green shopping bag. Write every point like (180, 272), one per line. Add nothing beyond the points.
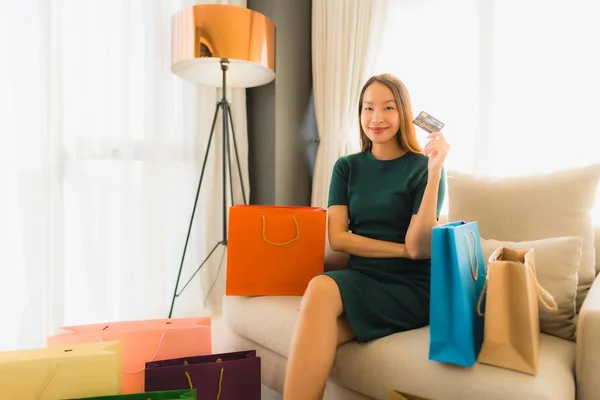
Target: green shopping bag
(187, 394)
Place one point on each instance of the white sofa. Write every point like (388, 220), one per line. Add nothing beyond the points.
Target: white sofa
(400, 361)
(567, 369)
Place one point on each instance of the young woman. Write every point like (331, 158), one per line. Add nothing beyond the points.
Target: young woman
(383, 203)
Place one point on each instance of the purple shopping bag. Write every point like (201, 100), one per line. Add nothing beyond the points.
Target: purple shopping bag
(226, 376)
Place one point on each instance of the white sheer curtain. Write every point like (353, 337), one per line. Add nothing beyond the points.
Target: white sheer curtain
(100, 154)
(346, 37)
(515, 82)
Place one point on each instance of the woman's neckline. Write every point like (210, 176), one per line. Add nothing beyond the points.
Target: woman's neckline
(372, 157)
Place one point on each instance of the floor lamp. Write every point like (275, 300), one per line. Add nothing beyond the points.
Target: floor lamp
(228, 47)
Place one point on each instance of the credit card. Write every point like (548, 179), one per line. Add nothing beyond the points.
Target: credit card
(428, 123)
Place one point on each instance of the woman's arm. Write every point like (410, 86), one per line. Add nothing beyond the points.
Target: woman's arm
(343, 241)
(418, 236)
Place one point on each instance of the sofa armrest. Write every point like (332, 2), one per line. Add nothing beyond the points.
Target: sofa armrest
(587, 361)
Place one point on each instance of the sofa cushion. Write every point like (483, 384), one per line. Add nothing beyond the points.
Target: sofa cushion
(268, 320)
(556, 264)
(531, 207)
(401, 362)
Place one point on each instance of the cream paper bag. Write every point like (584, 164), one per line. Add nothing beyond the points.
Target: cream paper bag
(61, 372)
(511, 336)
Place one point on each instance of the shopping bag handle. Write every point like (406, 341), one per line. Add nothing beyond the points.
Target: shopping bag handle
(264, 233)
(151, 358)
(189, 378)
(47, 381)
(480, 299)
(474, 269)
(543, 295)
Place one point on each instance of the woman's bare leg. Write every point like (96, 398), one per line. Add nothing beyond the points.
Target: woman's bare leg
(344, 335)
(318, 331)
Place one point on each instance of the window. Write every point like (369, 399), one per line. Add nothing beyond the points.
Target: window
(516, 83)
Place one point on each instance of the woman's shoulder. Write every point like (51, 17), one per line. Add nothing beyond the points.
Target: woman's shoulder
(416, 167)
(411, 161)
(419, 166)
(349, 160)
(354, 157)
(418, 158)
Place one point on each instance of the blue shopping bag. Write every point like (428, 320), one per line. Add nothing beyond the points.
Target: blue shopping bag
(457, 280)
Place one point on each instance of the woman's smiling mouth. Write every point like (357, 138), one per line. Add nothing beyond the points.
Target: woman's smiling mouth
(378, 130)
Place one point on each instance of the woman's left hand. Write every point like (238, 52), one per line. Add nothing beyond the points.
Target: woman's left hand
(436, 149)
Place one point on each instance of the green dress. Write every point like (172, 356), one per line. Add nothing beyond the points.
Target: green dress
(382, 296)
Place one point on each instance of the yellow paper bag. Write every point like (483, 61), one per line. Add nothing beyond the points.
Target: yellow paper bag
(396, 395)
(62, 372)
(511, 336)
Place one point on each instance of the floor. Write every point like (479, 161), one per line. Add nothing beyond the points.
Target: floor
(268, 394)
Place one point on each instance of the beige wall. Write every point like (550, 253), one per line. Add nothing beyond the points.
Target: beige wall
(281, 123)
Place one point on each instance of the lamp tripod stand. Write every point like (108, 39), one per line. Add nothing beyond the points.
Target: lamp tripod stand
(227, 122)
(217, 45)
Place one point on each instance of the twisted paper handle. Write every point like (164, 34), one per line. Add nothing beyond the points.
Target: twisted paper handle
(472, 254)
(545, 298)
(189, 378)
(151, 358)
(480, 299)
(264, 233)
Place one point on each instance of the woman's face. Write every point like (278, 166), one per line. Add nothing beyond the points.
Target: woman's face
(379, 116)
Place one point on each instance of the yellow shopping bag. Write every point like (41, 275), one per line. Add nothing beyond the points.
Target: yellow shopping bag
(61, 372)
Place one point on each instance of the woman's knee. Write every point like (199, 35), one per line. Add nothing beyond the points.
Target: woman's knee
(323, 292)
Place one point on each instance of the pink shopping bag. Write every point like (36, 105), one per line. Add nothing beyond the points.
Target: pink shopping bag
(143, 341)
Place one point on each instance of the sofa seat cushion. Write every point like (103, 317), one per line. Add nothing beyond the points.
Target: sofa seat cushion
(401, 361)
(268, 320)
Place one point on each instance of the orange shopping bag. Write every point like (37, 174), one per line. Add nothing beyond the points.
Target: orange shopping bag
(143, 341)
(274, 250)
